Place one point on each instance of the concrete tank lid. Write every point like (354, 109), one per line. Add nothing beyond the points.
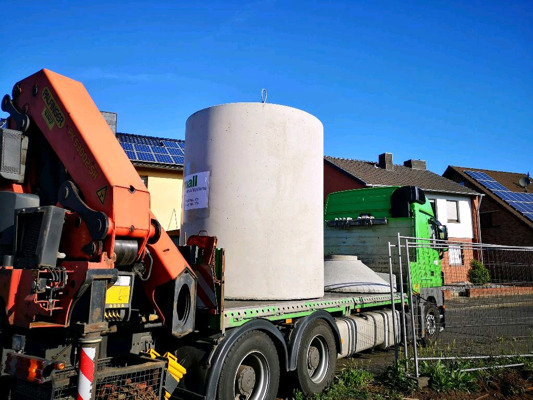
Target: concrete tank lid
(255, 103)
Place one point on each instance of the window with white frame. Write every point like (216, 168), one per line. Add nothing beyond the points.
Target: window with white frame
(452, 206)
(455, 254)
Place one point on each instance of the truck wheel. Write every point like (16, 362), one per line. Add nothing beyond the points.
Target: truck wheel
(317, 358)
(251, 369)
(432, 323)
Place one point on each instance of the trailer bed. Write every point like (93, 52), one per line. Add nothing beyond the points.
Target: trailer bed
(238, 312)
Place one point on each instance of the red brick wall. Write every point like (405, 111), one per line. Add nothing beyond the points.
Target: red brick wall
(457, 273)
(506, 229)
(335, 180)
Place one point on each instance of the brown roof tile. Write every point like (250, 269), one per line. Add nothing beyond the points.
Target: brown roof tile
(371, 174)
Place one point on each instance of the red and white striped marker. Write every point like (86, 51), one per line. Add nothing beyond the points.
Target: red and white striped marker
(86, 375)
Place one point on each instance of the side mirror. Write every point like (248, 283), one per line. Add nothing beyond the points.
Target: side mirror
(417, 195)
(438, 232)
(443, 231)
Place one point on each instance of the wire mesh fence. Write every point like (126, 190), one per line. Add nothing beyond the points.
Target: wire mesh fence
(487, 296)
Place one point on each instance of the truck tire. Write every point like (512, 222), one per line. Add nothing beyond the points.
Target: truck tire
(431, 324)
(251, 369)
(317, 358)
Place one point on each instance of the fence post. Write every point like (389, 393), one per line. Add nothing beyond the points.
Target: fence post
(402, 297)
(393, 306)
(411, 302)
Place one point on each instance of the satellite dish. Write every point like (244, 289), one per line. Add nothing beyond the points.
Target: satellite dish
(524, 181)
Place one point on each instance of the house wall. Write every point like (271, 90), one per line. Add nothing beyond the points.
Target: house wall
(456, 273)
(464, 229)
(166, 188)
(499, 226)
(335, 180)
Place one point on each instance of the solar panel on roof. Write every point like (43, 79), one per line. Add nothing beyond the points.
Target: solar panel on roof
(170, 144)
(145, 156)
(484, 177)
(525, 197)
(522, 202)
(126, 146)
(133, 139)
(142, 147)
(529, 207)
(519, 197)
(159, 150)
(493, 185)
(479, 176)
(515, 196)
(522, 207)
(178, 159)
(131, 154)
(163, 158)
(152, 149)
(504, 194)
(175, 151)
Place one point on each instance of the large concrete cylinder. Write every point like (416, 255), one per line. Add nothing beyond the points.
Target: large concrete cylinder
(254, 179)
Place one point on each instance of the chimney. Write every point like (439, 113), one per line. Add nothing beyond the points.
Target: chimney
(111, 119)
(415, 164)
(385, 161)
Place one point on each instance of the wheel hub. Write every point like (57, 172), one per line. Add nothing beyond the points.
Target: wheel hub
(431, 324)
(245, 380)
(313, 358)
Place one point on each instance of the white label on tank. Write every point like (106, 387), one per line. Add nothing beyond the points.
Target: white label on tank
(196, 189)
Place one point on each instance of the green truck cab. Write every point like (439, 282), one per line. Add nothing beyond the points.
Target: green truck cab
(362, 222)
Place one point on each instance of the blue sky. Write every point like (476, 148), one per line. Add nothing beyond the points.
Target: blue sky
(450, 82)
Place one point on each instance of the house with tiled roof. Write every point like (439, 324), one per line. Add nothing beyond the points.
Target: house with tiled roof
(506, 212)
(455, 205)
(159, 162)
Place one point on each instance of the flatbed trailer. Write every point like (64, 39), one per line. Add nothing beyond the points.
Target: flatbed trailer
(238, 312)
